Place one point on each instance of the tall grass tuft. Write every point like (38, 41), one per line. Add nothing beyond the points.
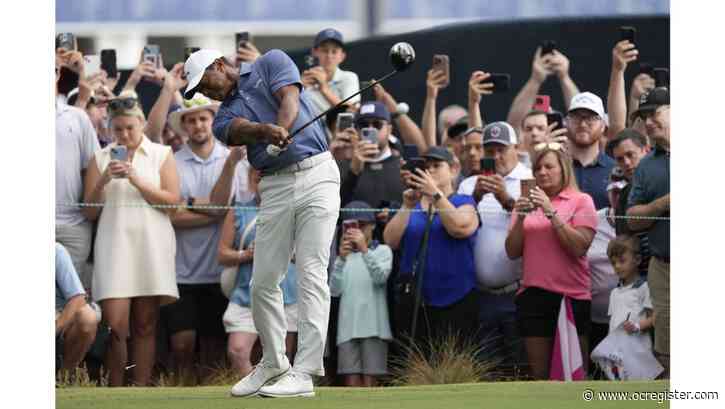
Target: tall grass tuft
(77, 378)
(450, 360)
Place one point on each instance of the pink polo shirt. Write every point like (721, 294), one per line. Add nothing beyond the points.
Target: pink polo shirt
(546, 264)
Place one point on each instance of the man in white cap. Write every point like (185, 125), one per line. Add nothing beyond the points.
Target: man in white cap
(262, 104)
(586, 128)
(199, 310)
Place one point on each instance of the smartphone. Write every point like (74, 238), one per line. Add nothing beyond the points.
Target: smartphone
(242, 38)
(488, 166)
(555, 117)
(441, 62)
(646, 68)
(108, 62)
(501, 82)
(92, 64)
(627, 33)
(662, 77)
(369, 135)
(542, 103)
(311, 61)
(415, 163)
(151, 53)
(190, 50)
(527, 185)
(119, 153)
(548, 47)
(345, 120)
(410, 151)
(66, 41)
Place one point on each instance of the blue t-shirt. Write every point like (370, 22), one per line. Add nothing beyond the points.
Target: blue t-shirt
(241, 293)
(67, 283)
(594, 178)
(254, 100)
(450, 272)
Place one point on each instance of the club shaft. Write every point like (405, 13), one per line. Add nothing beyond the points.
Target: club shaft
(342, 102)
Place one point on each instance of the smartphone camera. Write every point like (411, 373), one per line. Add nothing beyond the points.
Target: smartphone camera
(488, 166)
(345, 120)
(66, 41)
(370, 135)
(548, 47)
(311, 61)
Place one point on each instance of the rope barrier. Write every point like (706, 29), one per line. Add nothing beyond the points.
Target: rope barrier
(343, 210)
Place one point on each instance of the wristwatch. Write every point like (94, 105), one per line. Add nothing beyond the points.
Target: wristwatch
(551, 215)
(437, 196)
(401, 109)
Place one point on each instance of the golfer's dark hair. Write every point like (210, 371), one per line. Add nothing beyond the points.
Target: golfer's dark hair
(623, 135)
(623, 244)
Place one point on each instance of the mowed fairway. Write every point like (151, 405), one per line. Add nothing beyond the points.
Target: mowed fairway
(514, 395)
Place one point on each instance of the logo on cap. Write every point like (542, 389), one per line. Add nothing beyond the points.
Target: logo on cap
(367, 109)
(495, 131)
(643, 98)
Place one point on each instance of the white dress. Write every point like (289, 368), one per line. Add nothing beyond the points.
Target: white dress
(135, 245)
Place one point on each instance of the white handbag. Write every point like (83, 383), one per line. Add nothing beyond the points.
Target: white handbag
(228, 277)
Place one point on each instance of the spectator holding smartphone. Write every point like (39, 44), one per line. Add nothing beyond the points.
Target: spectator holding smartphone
(327, 84)
(650, 197)
(592, 165)
(134, 270)
(498, 277)
(75, 144)
(449, 283)
(373, 173)
(542, 67)
(552, 230)
(359, 278)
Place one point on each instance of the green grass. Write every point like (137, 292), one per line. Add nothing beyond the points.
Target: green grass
(514, 395)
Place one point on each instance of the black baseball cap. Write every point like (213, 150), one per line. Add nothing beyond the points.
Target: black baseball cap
(650, 101)
(439, 153)
(458, 128)
(329, 34)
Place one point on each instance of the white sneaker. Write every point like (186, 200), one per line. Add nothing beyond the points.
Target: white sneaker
(261, 374)
(293, 384)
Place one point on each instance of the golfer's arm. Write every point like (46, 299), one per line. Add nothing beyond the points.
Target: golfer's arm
(289, 105)
(244, 132)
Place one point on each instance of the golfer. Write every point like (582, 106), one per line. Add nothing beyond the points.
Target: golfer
(300, 201)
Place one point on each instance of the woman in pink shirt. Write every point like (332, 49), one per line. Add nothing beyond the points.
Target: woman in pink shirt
(552, 229)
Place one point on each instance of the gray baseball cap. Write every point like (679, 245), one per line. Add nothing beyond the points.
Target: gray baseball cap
(499, 132)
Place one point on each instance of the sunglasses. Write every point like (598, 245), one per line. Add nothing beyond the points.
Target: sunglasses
(122, 104)
(554, 146)
(368, 124)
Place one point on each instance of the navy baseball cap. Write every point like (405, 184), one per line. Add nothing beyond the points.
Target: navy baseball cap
(359, 215)
(439, 153)
(329, 34)
(373, 110)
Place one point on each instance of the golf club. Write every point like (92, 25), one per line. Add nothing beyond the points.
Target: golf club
(402, 56)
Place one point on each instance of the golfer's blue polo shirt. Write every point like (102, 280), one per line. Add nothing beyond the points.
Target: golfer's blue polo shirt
(254, 100)
(593, 179)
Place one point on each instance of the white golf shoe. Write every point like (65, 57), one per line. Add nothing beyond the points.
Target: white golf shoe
(293, 384)
(261, 374)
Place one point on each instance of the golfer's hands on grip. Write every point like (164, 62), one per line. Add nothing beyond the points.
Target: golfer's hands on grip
(276, 135)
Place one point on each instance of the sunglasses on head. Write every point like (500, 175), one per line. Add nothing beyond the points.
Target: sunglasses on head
(554, 146)
(368, 124)
(120, 104)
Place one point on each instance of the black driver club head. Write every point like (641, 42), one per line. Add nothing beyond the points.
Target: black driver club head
(402, 56)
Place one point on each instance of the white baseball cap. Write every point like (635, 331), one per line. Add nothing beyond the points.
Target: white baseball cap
(194, 68)
(588, 101)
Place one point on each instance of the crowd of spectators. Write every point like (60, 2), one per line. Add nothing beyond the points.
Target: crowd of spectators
(494, 223)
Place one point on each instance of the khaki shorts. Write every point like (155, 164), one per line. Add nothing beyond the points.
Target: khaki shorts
(658, 279)
(239, 319)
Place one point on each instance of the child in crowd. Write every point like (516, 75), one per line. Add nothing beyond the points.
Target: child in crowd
(326, 83)
(359, 278)
(626, 353)
(630, 302)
